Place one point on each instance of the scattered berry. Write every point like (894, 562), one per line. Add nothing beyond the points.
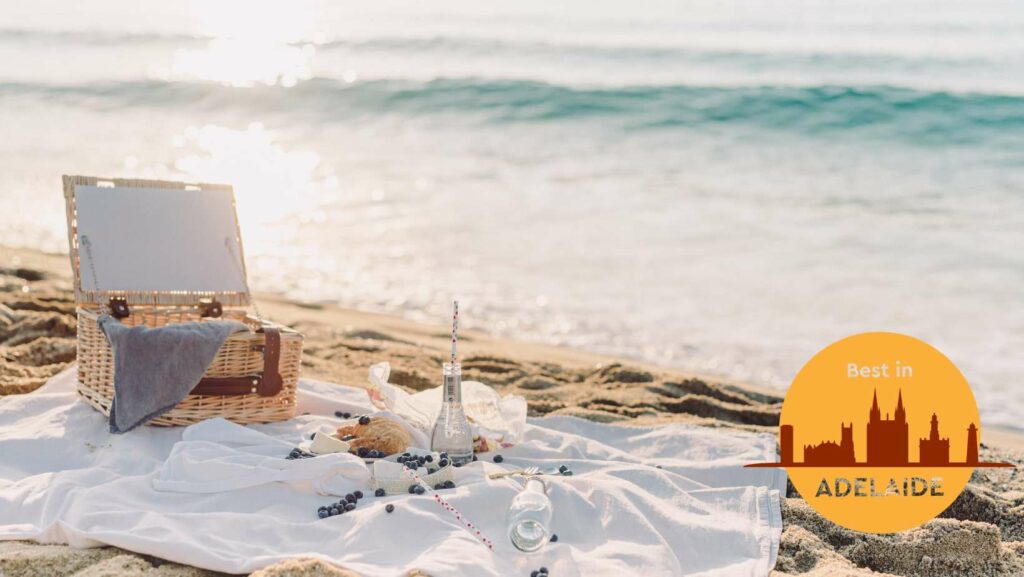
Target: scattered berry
(389, 508)
(431, 471)
(443, 463)
(554, 537)
(543, 570)
(497, 458)
(419, 490)
(346, 415)
(362, 452)
(563, 469)
(443, 455)
(364, 420)
(350, 498)
(350, 507)
(380, 492)
(412, 488)
(358, 494)
(567, 473)
(534, 573)
(322, 513)
(339, 414)
(449, 484)
(334, 511)
(429, 458)
(439, 486)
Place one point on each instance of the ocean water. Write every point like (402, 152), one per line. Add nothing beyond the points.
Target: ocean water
(725, 187)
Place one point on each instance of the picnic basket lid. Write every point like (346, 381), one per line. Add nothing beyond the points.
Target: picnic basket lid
(154, 242)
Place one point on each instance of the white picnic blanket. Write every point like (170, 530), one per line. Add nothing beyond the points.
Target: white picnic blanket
(65, 479)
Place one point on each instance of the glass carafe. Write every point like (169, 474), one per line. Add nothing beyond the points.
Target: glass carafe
(529, 516)
(452, 434)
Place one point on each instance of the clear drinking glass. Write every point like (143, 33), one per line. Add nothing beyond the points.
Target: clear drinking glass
(529, 516)
(452, 434)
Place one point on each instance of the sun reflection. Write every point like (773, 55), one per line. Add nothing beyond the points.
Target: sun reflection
(251, 42)
(271, 183)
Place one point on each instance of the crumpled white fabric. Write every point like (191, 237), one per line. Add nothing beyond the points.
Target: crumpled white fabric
(65, 479)
(217, 455)
(492, 417)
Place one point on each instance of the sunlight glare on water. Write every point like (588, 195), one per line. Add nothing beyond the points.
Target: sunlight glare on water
(251, 42)
(269, 181)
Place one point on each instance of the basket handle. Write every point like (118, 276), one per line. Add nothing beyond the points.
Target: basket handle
(266, 384)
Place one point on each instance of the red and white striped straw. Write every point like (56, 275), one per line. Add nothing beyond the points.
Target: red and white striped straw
(448, 507)
(455, 329)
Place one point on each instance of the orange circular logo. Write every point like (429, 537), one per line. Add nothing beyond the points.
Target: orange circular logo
(879, 432)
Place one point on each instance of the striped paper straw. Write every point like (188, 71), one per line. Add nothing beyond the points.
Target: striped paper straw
(455, 329)
(448, 507)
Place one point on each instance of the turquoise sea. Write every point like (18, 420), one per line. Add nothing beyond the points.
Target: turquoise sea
(725, 187)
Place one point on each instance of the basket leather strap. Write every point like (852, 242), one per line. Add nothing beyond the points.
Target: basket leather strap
(272, 382)
(267, 384)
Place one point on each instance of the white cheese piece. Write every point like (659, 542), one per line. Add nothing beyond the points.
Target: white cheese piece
(324, 444)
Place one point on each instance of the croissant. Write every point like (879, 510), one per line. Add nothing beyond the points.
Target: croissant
(381, 434)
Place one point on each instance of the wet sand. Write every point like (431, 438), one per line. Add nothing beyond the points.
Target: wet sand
(981, 534)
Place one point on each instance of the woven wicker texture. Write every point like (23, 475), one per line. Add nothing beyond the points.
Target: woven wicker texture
(239, 356)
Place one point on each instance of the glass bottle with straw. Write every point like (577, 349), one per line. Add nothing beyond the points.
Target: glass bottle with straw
(452, 434)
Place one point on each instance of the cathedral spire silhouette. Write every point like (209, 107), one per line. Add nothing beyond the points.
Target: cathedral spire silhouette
(876, 413)
(901, 415)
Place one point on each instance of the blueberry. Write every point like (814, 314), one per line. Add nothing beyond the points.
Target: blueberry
(334, 511)
(412, 488)
(443, 463)
(350, 507)
(419, 490)
(358, 494)
(350, 498)
(389, 508)
(322, 513)
(406, 455)
(431, 471)
(497, 458)
(563, 469)
(439, 486)
(443, 455)
(362, 452)
(568, 473)
(429, 458)
(364, 420)
(346, 415)
(449, 484)
(554, 537)
(543, 570)
(380, 492)
(534, 573)
(339, 414)
(458, 465)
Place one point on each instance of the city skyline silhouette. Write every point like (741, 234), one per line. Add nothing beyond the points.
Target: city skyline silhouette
(887, 443)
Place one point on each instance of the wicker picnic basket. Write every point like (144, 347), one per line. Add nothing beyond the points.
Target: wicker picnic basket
(254, 375)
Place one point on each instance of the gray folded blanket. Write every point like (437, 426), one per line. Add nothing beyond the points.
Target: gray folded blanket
(155, 368)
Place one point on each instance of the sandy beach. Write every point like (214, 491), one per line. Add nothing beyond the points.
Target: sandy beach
(982, 534)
